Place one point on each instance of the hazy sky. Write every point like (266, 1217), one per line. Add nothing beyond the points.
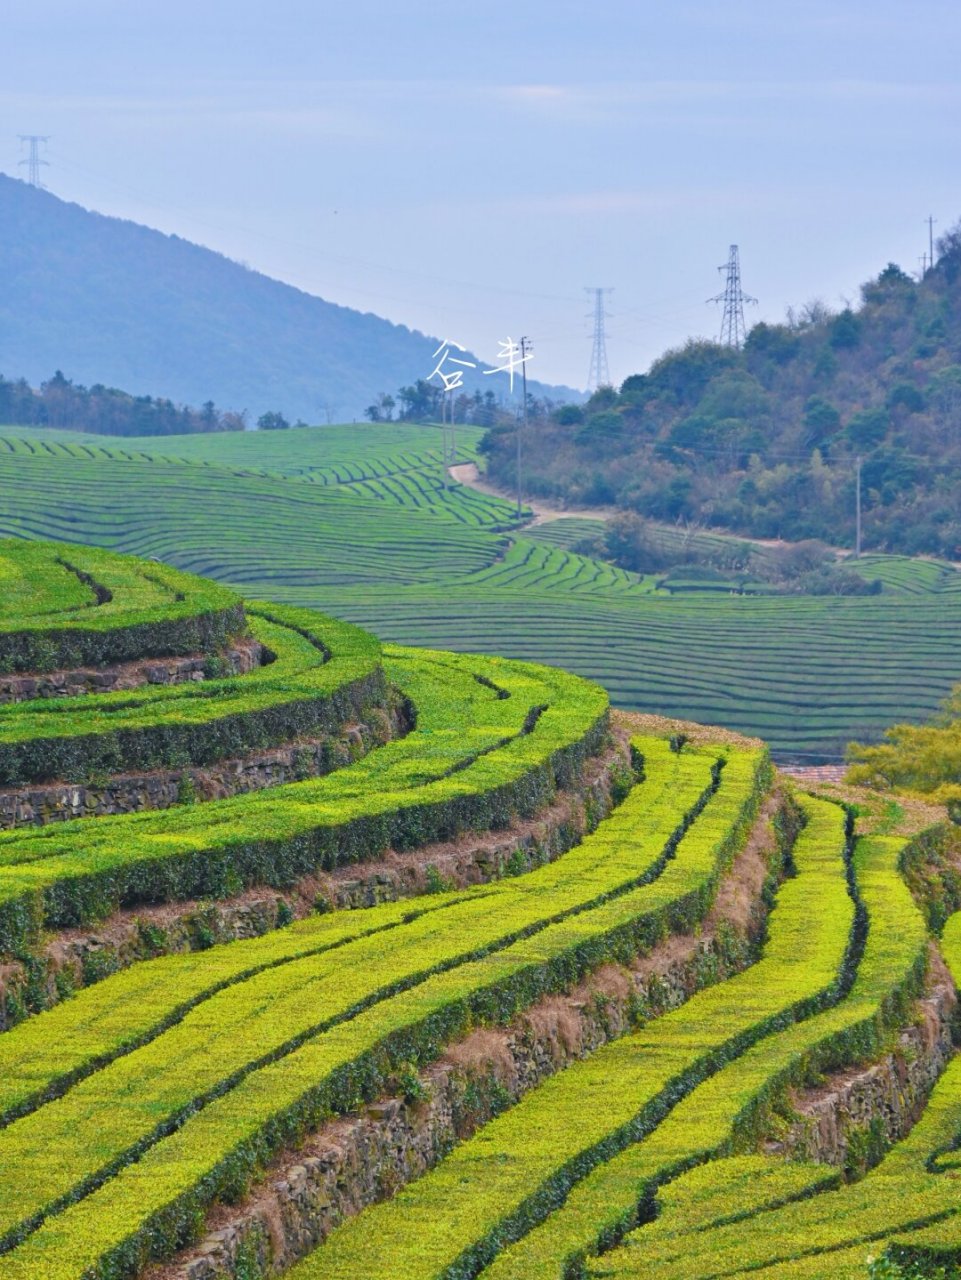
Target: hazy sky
(466, 170)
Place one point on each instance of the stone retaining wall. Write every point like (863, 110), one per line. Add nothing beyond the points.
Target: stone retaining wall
(162, 788)
(242, 656)
(853, 1118)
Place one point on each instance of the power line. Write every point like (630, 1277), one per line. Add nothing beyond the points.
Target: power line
(599, 375)
(34, 160)
(733, 328)
(773, 455)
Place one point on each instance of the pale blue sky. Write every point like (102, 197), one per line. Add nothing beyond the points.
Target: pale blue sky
(466, 171)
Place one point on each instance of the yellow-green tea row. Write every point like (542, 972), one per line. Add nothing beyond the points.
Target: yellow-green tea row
(509, 1177)
(732, 1110)
(263, 1016)
(476, 759)
(41, 1058)
(401, 996)
(819, 1234)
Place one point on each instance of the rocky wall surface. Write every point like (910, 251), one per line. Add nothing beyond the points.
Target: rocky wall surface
(240, 658)
(851, 1119)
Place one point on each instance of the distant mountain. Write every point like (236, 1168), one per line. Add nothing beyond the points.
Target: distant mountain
(109, 301)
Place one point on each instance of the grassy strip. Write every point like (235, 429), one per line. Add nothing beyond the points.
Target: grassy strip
(267, 1016)
(143, 610)
(41, 1058)
(452, 778)
(508, 1178)
(842, 1264)
(155, 1204)
(907, 1191)
(302, 693)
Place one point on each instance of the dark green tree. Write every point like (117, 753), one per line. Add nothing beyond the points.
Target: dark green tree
(272, 421)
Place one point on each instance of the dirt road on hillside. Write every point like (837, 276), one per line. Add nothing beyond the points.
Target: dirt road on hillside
(544, 511)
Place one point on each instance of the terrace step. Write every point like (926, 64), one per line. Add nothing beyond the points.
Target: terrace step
(348, 1163)
(238, 658)
(475, 955)
(122, 793)
(76, 958)
(67, 607)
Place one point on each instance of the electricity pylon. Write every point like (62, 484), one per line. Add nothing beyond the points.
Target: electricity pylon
(599, 375)
(733, 328)
(33, 160)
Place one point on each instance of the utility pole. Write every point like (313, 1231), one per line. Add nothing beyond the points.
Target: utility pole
(443, 440)
(857, 500)
(924, 265)
(522, 422)
(930, 221)
(733, 328)
(33, 160)
(453, 430)
(598, 375)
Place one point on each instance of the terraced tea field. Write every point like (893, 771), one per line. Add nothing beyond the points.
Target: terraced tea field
(358, 521)
(355, 961)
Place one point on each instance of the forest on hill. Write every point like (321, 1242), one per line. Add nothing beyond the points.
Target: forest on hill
(765, 440)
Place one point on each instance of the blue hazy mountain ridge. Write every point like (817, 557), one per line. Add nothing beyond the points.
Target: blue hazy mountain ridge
(113, 302)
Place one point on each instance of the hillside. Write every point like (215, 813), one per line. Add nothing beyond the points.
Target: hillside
(764, 441)
(110, 302)
(344, 961)
(356, 521)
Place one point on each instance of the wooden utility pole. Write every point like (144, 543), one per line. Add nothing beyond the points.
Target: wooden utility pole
(857, 534)
(443, 440)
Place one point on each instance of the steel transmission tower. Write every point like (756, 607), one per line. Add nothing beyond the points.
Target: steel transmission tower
(599, 375)
(33, 160)
(733, 328)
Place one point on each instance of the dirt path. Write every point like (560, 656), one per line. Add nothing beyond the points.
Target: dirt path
(466, 473)
(545, 511)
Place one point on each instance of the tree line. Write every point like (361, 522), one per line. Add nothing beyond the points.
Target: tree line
(422, 401)
(59, 402)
